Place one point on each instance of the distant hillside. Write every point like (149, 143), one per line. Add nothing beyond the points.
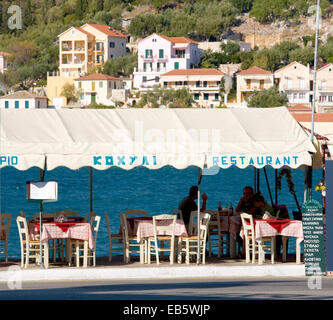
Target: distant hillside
(34, 48)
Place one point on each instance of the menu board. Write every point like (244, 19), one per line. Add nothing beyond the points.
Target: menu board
(42, 191)
(314, 247)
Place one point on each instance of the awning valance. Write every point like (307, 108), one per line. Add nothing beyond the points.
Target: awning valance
(152, 138)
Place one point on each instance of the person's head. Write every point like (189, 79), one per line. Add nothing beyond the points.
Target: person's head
(258, 200)
(247, 192)
(193, 192)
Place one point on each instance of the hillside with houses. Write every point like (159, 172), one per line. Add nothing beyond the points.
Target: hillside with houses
(205, 53)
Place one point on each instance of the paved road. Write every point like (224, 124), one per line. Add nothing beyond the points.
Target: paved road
(245, 289)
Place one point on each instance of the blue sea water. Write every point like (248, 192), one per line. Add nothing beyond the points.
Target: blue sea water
(116, 190)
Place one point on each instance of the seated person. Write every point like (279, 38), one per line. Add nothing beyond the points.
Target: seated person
(187, 205)
(260, 206)
(245, 203)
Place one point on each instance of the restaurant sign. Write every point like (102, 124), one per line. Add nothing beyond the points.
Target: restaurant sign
(314, 247)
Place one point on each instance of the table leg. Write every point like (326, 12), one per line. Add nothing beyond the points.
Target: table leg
(284, 248)
(46, 254)
(260, 252)
(232, 247)
(298, 250)
(85, 254)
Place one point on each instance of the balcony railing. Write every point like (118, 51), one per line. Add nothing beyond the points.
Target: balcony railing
(296, 88)
(151, 70)
(252, 88)
(79, 48)
(325, 88)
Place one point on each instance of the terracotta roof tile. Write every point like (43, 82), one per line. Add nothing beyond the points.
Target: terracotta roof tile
(97, 76)
(178, 39)
(83, 31)
(307, 117)
(108, 30)
(22, 95)
(254, 70)
(300, 108)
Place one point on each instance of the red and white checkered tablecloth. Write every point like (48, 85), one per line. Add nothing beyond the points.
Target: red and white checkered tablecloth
(79, 231)
(145, 228)
(293, 229)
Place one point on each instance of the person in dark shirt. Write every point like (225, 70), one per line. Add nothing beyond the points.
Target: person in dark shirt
(245, 203)
(187, 205)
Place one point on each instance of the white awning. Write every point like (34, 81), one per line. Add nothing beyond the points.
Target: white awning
(152, 138)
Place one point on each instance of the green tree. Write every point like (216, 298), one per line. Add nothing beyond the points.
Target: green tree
(267, 98)
(69, 92)
(100, 5)
(242, 5)
(303, 55)
(121, 66)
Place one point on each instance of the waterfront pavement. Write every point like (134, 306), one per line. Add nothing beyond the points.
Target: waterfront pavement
(249, 288)
(219, 279)
(117, 270)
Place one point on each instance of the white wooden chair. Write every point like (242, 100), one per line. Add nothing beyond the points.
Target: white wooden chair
(5, 221)
(79, 247)
(115, 240)
(266, 245)
(30, 248)
(189, 245)
(130, 242)
(215, 229)
(166, 227)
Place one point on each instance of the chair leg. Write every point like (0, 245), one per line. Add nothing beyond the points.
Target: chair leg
(70, 253)
(77, 250)
(110, 250)
(149, 252)
(27, 257)
(157, 253)
(142, 253)
(172, 251)
(247, 250)
(284, 248)
(209, 245)
(187, 259)
(273, 249)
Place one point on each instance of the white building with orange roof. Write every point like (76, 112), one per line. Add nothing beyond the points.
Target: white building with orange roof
(203, 84)
(251, 80)
(91, 45)
(325, 86)
(294, 80)
(158, 54)
(100, 88)
(3, 61)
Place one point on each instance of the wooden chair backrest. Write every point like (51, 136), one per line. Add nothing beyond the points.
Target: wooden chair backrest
(22, 229)
(95, 228)
(247, 227)
(136, 212)
(124, 226)
(66, 213)
(5, 221)
(44, 215)
(167, 226)
(204, 225)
